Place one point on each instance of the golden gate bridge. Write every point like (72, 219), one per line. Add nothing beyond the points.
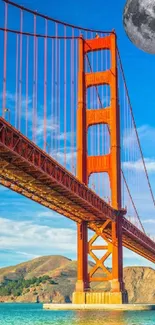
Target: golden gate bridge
(68, 139)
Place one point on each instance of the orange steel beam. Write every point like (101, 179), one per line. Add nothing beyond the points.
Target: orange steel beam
(82, 283)
(106, 249)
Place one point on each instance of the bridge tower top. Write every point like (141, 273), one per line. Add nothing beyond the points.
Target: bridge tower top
(110, 163)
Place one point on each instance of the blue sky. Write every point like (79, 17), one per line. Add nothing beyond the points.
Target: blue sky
(28, 230)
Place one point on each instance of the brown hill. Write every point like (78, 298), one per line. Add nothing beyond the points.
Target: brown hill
(39, 266)
(139, 281)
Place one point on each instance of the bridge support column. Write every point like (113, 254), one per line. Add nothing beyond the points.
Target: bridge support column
(118, 292)
(109, 230)
(82, 260)
(117, 284)
(82, 284)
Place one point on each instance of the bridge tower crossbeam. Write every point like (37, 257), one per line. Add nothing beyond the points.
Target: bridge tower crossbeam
(109, 163)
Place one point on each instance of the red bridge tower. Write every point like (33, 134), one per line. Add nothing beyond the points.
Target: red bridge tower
(109, 163)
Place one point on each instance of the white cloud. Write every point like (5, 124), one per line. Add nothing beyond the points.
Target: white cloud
(48, 214)
(67, 135)
(129, 254)
(146, 135)
(60, 155)
(129, 138)
(138, 165)
(95, 103)
(30, 240)
(11, 100)
(51, 125)
(132, 259)
(28, 237)
(146, 131)
(149, 221)
(28, 255)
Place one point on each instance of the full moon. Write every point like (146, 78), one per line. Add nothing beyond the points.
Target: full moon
(139, 23)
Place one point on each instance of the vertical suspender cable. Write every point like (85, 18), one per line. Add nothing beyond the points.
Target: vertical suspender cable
(91, 107)
(98, 126)
(45, 85)
(5, 57)
(72, 100)
(52, 98)
(36, 91)
(56, 87)
(34, 77)
(76, 89)
(106, 148)
(20, 71)
(17, 60)
(59, 97)
(102, 126)
(27, 81)
(125, 130)
(65, 84)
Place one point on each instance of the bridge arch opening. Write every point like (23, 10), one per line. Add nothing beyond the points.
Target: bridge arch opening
(98, 140)
(97, 61)
(99, 183)
(98, 97)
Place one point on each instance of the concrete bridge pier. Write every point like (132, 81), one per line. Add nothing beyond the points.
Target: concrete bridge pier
(100, 298)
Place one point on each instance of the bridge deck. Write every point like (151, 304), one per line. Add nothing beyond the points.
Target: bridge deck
(28, 170)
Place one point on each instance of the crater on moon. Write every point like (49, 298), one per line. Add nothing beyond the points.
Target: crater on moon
(139, 23)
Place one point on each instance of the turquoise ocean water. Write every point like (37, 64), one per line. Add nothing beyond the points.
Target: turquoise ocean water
(26, 314)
